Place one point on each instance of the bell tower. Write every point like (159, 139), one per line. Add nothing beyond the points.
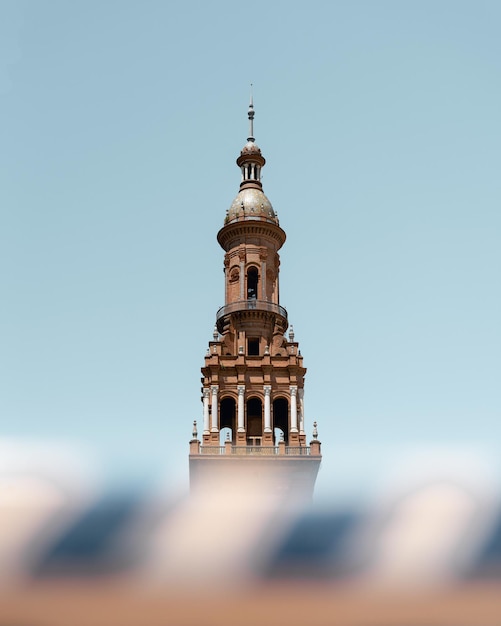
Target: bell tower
(253, 375)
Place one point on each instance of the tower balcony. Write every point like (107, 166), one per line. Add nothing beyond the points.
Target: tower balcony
(282, 471)
(232, 448)
(258, 450)
(252, 304)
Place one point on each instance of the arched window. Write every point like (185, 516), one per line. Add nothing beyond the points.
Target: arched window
(254, 421)
(227, 419)
(281, 420)
(252, 281)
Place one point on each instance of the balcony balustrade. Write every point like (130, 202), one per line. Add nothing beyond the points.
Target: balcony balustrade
(251, 305)
(297, 451)
(212, 450)
(255, 450)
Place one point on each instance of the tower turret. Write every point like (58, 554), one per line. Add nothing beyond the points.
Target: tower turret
(253, 376)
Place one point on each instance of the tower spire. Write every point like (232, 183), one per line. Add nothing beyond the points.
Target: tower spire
(251, 160)
(251, 118)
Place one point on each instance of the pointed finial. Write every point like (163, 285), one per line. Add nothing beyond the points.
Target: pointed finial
(251, 118)
(215, 334)
(291, 333)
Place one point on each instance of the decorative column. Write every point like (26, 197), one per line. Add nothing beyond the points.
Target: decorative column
(263, 256)
(267, 409)
(240, 413)
(206, 410)
(241, 256)
(214, 390)
(226, 269)
(300, 393)
(293, 391)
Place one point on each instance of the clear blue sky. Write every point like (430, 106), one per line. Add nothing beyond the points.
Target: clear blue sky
(119, 128)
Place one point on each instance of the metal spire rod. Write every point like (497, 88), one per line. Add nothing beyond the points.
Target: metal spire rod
(251, 118)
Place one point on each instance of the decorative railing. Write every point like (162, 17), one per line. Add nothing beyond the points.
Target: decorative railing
(264, 450)
(297, 450)
(251, 305)
(255, 450)
(212, 450)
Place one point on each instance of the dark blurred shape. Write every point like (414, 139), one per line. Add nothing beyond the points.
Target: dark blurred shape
(94, 544)
(314, 547)
(488, 563)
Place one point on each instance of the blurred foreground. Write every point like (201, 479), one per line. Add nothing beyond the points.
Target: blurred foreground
(427, 553)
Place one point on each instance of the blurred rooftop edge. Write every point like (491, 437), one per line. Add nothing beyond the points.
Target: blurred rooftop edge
(429, 555)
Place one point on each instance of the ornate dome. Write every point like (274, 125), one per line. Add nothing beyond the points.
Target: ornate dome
(251, 203)
(250, 148)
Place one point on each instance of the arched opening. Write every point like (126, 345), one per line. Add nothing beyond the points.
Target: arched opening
(227, 419)
(281, 420)
(252, 281)
(254, 422)
(278, 436)
(225, 434)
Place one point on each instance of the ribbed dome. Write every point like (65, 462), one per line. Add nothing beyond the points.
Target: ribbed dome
(251, 203)
(250, 148)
